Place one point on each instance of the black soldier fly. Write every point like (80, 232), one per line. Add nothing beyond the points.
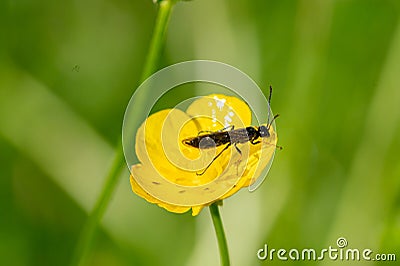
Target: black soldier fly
(230, 136)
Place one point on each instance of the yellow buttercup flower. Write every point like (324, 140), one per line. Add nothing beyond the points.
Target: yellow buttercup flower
(168, 173)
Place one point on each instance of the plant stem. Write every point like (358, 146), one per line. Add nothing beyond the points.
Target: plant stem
(88, 233)
(160, 28)
(219, 231)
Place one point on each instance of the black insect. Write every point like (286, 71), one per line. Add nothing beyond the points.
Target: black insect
(230, 136)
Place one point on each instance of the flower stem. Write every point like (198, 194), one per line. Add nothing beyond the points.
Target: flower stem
(160, 28)
(219, 231)
(88, 233)
(89, 229)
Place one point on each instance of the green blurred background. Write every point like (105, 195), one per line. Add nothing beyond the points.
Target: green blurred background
(68, 69)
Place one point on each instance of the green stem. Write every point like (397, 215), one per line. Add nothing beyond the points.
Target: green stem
(88, 233)
(160, 28)
(219, 231)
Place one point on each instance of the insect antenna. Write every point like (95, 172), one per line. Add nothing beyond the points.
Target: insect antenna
(269, 103)
(273, 119)
(269, 126)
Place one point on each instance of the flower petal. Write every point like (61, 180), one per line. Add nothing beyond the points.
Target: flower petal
(147, 196)
(227, 110)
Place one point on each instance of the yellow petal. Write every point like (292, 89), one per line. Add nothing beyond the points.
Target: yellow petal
(196, 210)
(260, 156)
(159, 144)
(227, 110)
(147, 196)
(165, 172)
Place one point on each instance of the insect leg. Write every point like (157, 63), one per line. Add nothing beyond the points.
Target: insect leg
(226, 147)
(232, 127)
(210, 131)
(254, 142)
(204, 131)
(239, 151)
(269, 144)
(239, 160)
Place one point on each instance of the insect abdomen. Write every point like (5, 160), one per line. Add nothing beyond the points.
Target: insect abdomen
(208, 141)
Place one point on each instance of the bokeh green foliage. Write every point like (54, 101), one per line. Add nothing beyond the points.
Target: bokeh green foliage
(68, 70)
